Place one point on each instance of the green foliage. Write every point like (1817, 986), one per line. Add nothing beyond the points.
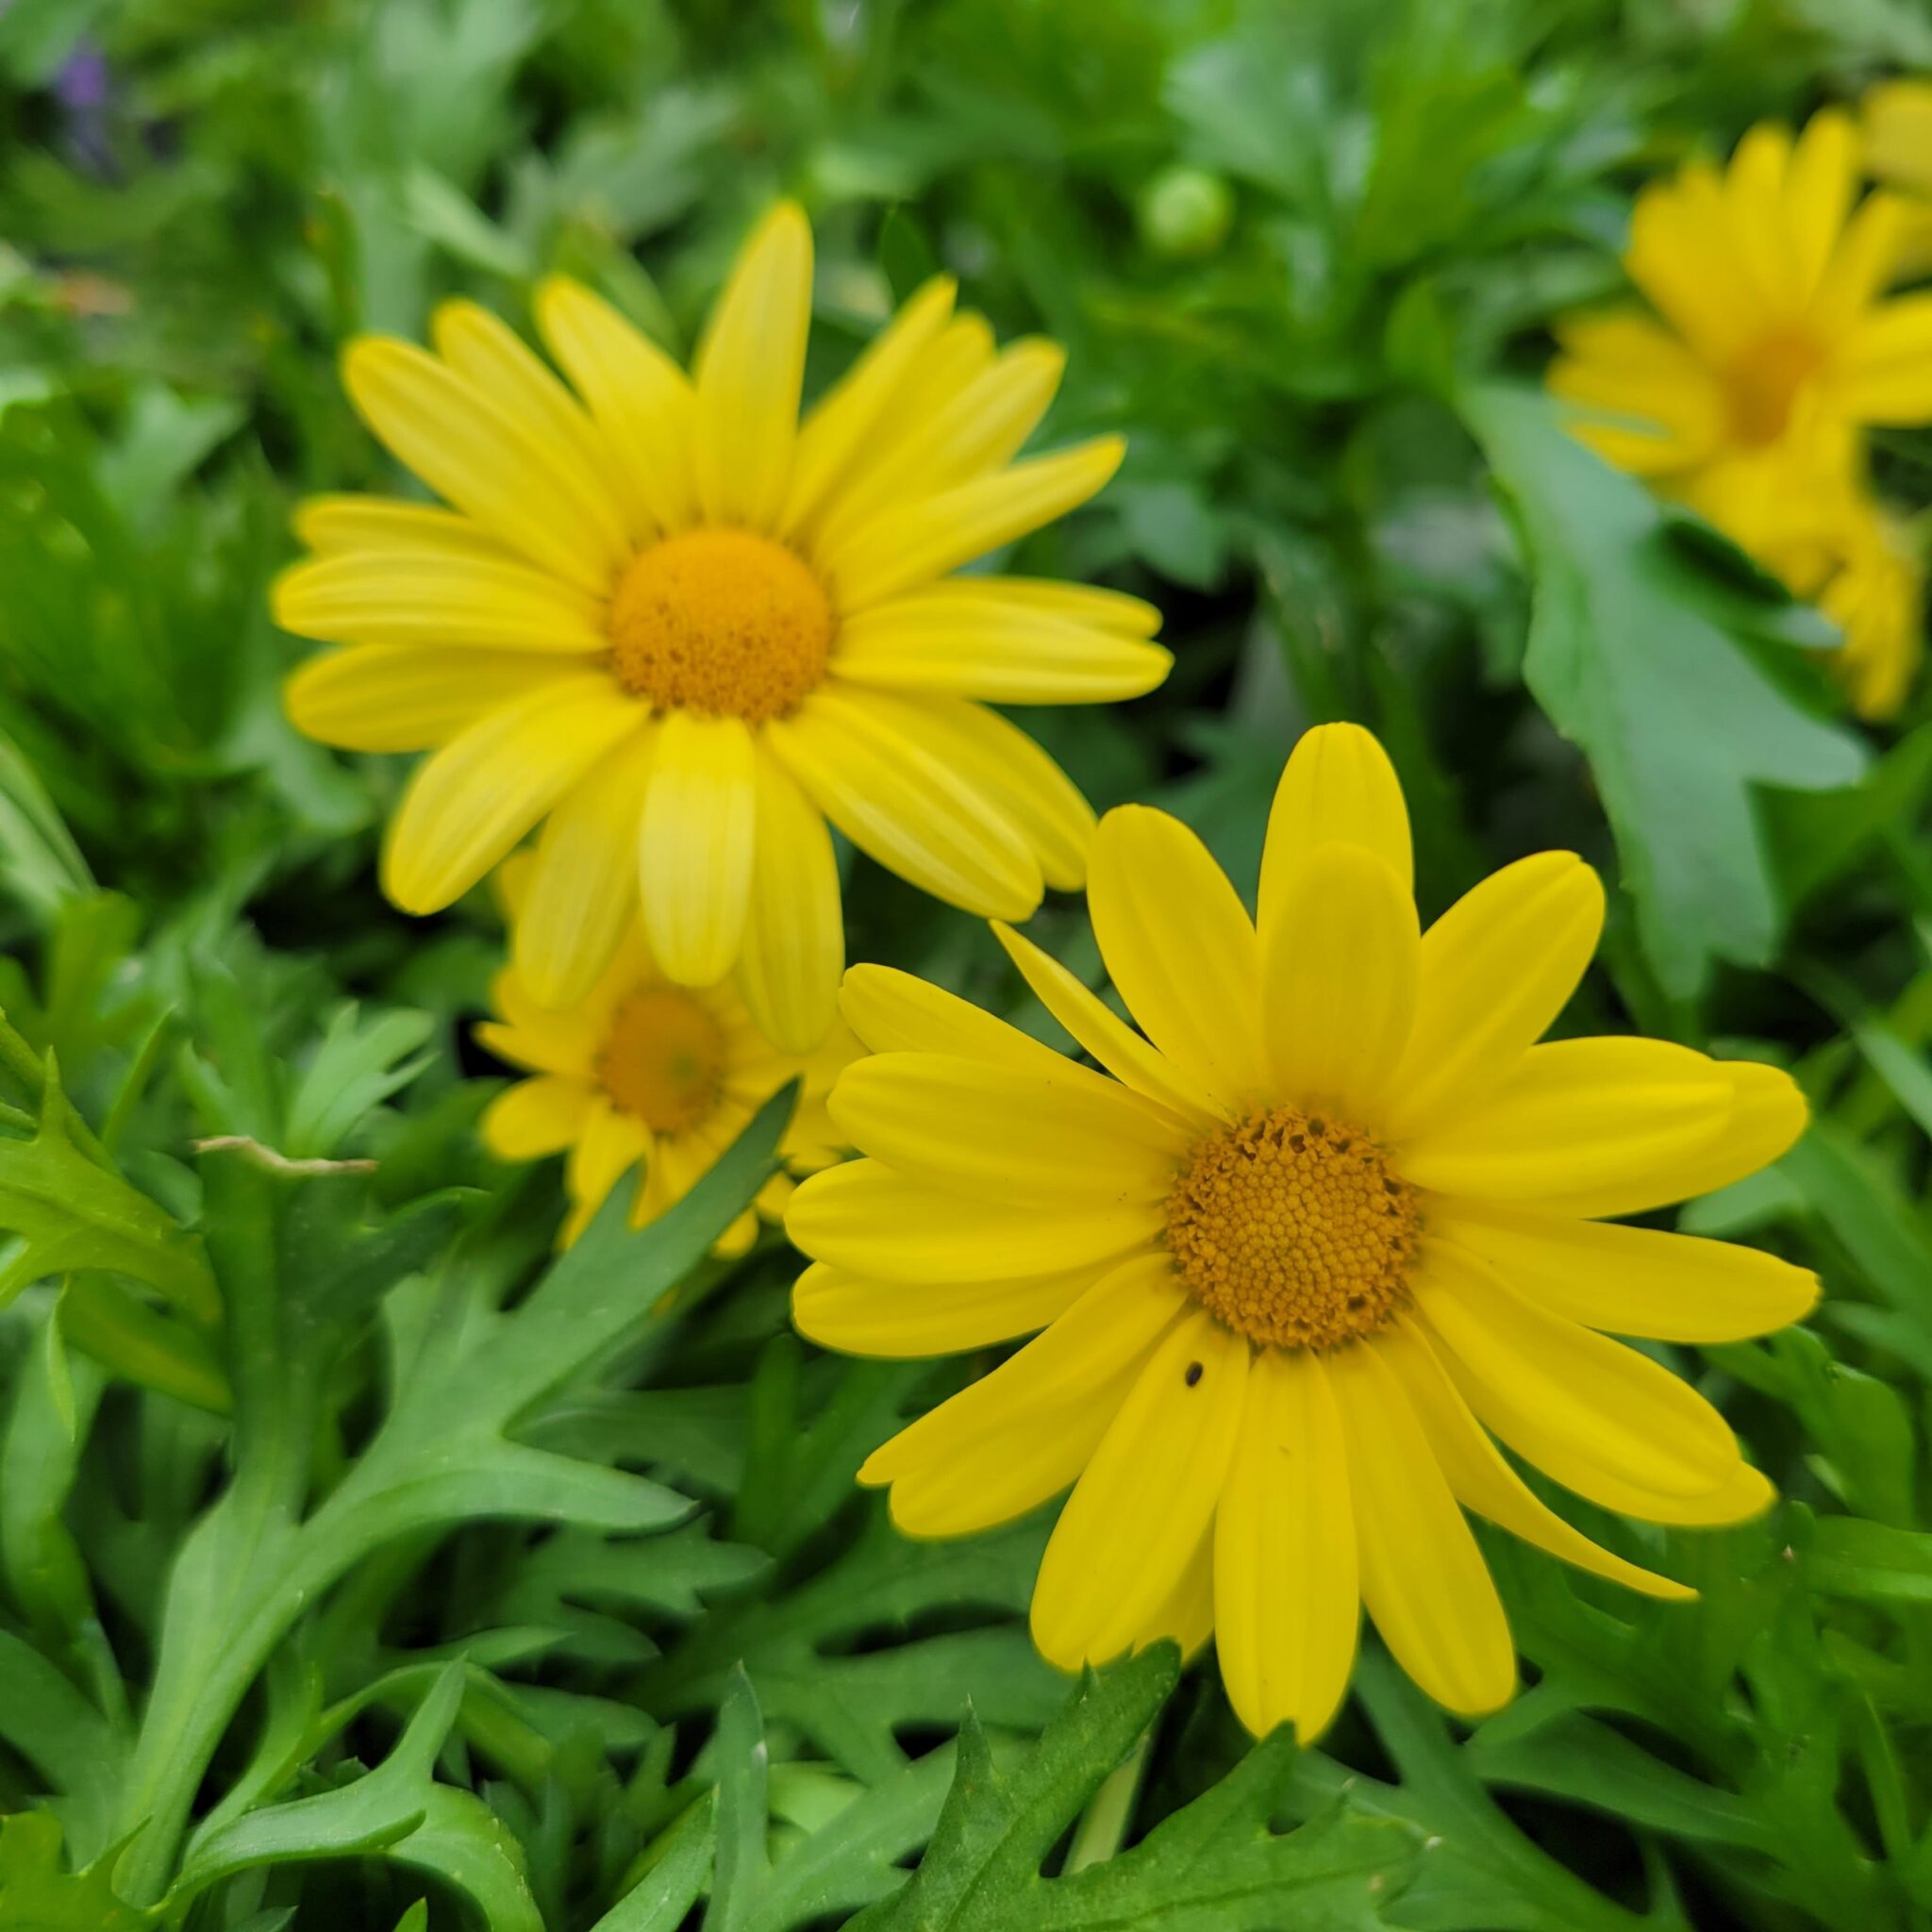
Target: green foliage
(364, 1563)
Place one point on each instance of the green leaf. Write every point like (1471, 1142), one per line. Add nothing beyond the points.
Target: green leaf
(37, 1895)
(39, 863)
(1873, 1562)
(1679, 723)
(1215, 1866)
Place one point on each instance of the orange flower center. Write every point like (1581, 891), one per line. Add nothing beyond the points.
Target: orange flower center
(1763, 385)
(1292, 1231)
(720, 620)
(663, 1060)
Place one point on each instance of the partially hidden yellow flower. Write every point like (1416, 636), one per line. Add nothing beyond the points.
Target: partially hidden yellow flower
(1895, 119)
(644, 1073)
(1336, 1224)
(682, 630)
(1875, 595)
(1771, 342)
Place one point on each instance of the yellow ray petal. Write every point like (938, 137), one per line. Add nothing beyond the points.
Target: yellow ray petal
(1484, 1482)
(474, 799)
(1003, 652)
(1339, 982)
(1109, 1039)
(532, 1035)
(1577, 1404)
(834, 434)
(403, 697)
(1146, 1498)
(694, 857)
(898, 1318)
(1766, 1115)
(1630, 1280)
(1021, 1434)
(1423, 1579)
(335, 526)
(611, 1143)
(936, 534)
(870, 772)
(749, 371)
(895, 1012)
(1338, 787)
(535, 1117)
(1287, 1598)
(539, 497)
(1865, 259)
(639, 395)
(1086, 605)
(866, 1219)
(1010, 1135)
(1184, 1617)
(1007, 769)
(794, 931)
(1180, 948)
(1819, 187)
(1496, 969)
(1888, 363)
(1576, 1115)
(489, 355)
(939, 371)
(437, 597)
(1680, 257)
(582, 889)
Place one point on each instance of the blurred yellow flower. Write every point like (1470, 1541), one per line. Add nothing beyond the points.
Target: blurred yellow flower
(1773, 341)
(1896, 121)
(1876, 597)
(1336, 1222)
(643, 1073)
(685, 629)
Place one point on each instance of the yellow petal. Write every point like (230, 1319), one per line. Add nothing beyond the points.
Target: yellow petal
(1578, 1115)
(936, 534)
(437, 597)
(1180, 948)
(1579, 1407)
(1338, 981)
(1287, 1598)
(639, 397)
(403, 697)
(1337, 788)
(335, 526)
(899, 1318)
(794, 931)
(1866, 258)
(1423, 1579)
(581, 893)
(864, 762)
(1766, 1115)
(1007, 1134)
(1496, 969)
(1630, 1280)
(951, 636)
(534, 1038)
(866, 1219)
(1484, 1482)
(1887, 361)
(895, 1012)
(1897, 117)
(1023, 1433)
(1146, 1498)
(473, 800)
(1086, 607)
(695, 856)
(836, 431)
(1819, 187)
(492, 359)
(611, 1143)
(535, 1117)
(538, 496)
(1184, 1617)
(977, 430)
(748, 376)
(1008, 769)
(1678, 255)
(1109, 1039)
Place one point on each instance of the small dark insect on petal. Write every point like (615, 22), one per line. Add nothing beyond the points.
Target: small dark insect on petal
(1193, 1375)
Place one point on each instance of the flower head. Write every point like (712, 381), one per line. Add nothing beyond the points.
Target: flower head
(644, 1073)
(682, 630)
(1321, 1231)
(1771, 342)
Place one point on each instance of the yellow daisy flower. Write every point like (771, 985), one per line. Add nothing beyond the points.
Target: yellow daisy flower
(1773, 342)
(1334, 1224)
(684, 630)
(644, 1073)
(1876, 597)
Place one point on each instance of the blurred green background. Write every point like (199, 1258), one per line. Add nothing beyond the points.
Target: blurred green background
(1306, 258)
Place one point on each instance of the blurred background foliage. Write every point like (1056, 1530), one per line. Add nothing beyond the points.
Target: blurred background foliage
(1306, 258)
